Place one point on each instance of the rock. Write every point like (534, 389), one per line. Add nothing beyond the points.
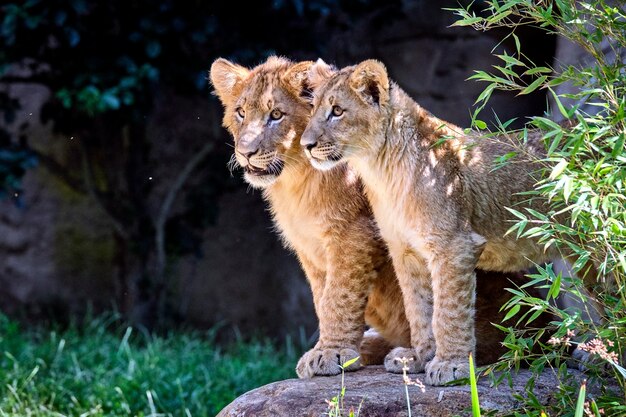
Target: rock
(383, 394)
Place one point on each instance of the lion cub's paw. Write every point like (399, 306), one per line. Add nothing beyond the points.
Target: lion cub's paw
(439, 372)
(394, 364)
(326, 362)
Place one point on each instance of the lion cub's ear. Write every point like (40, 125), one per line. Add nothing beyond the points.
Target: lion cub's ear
(370, 81)
(227, 78)
(319, 72)
(296, 79)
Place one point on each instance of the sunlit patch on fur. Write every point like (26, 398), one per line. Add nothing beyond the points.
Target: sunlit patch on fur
(433, 158)
(351, 177)
(323, 165)
(260, 181)
(289, 138)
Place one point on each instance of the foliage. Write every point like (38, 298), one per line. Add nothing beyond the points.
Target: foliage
(103, 65)
(474, 388)
(335, 404)
(102, 368)
(140, 45)
(584, 183)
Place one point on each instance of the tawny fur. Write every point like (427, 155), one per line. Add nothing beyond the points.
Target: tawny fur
(326, 219)
(439, 202)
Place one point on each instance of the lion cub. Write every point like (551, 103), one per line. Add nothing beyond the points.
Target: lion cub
(323, 217)
(438, 202)
(326, 219)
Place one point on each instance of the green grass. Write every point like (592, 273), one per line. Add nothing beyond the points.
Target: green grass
(103, 369)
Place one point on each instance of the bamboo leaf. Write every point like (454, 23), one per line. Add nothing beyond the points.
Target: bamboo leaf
(518, 47)
(474, 388)
(560, 106)
(480, 124)
(511, 61)
(537, 70)
(618, 148)
(534, 85)
(467, 22)
(580, 404)
(558, 169)
(512, 312)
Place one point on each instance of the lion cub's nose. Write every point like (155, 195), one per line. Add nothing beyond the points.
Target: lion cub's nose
(247, 147)
(249, 143)
(308, 141)
(247, 154)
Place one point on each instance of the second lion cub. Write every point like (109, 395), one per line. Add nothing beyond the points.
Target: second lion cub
(437, 200)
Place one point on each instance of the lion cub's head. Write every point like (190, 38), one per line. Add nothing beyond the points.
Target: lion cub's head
(266, 111)
(349, 108)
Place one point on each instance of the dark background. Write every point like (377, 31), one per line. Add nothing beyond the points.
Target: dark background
(113, 180)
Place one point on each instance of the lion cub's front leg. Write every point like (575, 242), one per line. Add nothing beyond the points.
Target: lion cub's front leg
(452, 263)
(414, 279)
(340, 307)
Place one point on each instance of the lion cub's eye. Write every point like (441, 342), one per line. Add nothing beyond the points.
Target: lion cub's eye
(276, 114)
(240, 112)
(337, 111)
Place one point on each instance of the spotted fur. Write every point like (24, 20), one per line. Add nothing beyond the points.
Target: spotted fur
(326, 219)
(439, 202)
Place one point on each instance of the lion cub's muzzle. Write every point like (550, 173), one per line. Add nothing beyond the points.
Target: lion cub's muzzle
(324, 156)
(260, 165)
(324, 152)
(320, 151)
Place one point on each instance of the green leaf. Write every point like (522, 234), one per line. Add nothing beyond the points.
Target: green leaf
(474, 388)
(537, 215)
(518, 48)
(537, 70)
(513, 311)
(555, 288)
(467, 22)
(534, 316)
(486, 93)
(480, 124)
(506, 71)
(580, 404)
(557, 100)
(618, 148)
(568, 184)
(511, 61)
(498, 17)
(516, 213)
(545, 123)
(534, 85)
(558, 169)
(349, 362)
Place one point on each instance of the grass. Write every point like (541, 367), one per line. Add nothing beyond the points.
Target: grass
(103, 369)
